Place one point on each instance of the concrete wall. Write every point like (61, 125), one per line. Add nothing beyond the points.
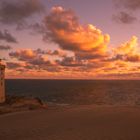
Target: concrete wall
(2, 83)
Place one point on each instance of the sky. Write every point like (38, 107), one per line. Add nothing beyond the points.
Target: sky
(76, 39)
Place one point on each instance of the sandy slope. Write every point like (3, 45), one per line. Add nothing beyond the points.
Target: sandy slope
(73, 123)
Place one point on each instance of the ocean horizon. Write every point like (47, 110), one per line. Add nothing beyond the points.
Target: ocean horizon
(85, 92)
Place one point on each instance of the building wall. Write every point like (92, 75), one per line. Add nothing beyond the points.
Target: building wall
(2, 84)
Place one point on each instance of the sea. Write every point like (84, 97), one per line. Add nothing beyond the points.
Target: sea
(78, 92)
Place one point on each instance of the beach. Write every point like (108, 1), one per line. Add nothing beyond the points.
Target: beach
(70, 110)
(71, 122)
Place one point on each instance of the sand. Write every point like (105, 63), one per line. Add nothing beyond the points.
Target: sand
(73, 123)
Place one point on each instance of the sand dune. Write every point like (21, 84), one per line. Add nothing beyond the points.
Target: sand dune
(73, 123)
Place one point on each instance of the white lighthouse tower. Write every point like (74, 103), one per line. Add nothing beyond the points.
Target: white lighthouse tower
(2, 82)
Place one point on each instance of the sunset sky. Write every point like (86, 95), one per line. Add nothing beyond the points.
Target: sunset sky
(76, 39)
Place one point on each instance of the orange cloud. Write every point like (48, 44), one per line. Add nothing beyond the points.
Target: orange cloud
(91, 55)
(128, 51)
(23, 54)
(65, 30)
(128, 47)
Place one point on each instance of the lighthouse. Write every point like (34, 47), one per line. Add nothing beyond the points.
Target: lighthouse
(2, 82)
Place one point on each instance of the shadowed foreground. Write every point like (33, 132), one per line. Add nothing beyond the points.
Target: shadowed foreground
(73, 123)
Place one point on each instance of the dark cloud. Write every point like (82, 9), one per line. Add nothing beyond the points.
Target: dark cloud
(5, 47)
(6, 36)
(124, 18)
(132, 4)
(15, 11)
(70, 62)
(34, 28)
(37, 28)
(89, 55)
(128, 4)
(59, 53)
(33, 58)
(39, 61)
(133, 58)
(130, 7)
(60, 19)
(48, 52)
(23, 55)
(130, 58)
(29, 54)
(13, 65)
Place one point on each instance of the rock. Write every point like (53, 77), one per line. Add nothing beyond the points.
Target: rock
(16, 103)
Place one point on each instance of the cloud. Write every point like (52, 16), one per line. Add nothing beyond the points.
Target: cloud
(57, 52)
(39, 61)
(36, 28)
(133, 5)
(128, 4)
(5, 47)
(6, 36)
(23, 55)
(14, 65)
(28, 54)
(70, 62)
(124, 18)
(128, 51)
(15, 12)
(128, 47)
(130, 7)
(89, 55)
(34, 59)
(84, 51)
(63, 28)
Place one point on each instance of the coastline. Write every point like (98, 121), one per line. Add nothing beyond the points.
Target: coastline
(15, 104)
(21, 103)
